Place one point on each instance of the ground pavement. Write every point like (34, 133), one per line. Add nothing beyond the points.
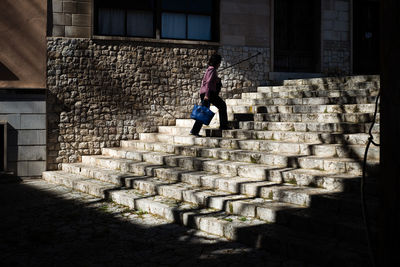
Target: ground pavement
(43, 224)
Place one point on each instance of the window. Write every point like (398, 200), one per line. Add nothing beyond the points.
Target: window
(124, 18)
(161, 19)
(181, 19)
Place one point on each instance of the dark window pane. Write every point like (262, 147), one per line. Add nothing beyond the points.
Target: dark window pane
(142, 4)
(199, 27)
(189, 6)
(174, 5)
(200, 6)
(173, 25)
(140, 23)
(111, 21)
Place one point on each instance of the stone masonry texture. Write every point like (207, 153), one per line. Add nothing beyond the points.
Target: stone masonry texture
(336, 43)
(102, 92)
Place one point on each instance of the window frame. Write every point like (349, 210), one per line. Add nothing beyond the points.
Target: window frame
(126, 7)
(157, 21)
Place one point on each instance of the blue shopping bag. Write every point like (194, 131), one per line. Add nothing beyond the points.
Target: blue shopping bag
(202, 113)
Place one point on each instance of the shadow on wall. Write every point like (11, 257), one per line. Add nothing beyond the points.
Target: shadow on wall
(6, 74)
(25, 48)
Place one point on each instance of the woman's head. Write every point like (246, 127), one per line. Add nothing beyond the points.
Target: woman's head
(215, 60)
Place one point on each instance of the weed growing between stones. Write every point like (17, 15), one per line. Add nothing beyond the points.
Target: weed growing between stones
(253, 159)
(140, 213)
(103, 208)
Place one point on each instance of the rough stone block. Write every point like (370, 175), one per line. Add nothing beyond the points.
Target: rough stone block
(77, 31)
(32, 137)
(32, 153)
(31, 168)
(69, 7)
(23, 107)
(58, 19)
(57, 5)
(34, 122)
(67, 19)
(81, 20)
(58, 31)
(83, 8)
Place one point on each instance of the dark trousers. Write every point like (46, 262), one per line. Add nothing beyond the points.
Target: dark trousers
(220, 104)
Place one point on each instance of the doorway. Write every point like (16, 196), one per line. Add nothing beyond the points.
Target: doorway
(366, 37)
(297, 35)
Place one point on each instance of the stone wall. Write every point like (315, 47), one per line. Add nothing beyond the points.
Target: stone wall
(71, 18)
(336, 43)
(245, 22)
(101, 92)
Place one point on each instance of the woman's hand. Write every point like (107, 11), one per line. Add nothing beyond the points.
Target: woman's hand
(205, 102)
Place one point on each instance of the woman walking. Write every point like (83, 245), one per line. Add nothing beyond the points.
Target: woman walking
(209, 93)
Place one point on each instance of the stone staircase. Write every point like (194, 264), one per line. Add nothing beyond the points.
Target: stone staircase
(286, 179)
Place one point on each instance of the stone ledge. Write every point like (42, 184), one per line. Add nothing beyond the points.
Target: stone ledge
(153, 40)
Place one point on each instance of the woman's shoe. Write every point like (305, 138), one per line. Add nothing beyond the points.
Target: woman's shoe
(197, 135)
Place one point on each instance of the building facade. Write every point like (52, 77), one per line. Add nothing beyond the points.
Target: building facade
(108, 70)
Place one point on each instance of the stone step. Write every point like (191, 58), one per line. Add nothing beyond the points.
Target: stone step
(206, 152)
(79, 183)
(371, 85)
(236, 204)
(253, 107)
(250, 187)
(312, 182)
(188, 123)
(223, 167)
(167, 138)
(343, 127)
(173, 130)
(342, 80)
(272, 152)
(313, 158)
(312, 100)
(238, 228)
(308, 93)
(317, 117)
(268, 210)
(103, 174)
(286, 136)
(244, 229)
(304, 137)
(228, 168)
(333, 164)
